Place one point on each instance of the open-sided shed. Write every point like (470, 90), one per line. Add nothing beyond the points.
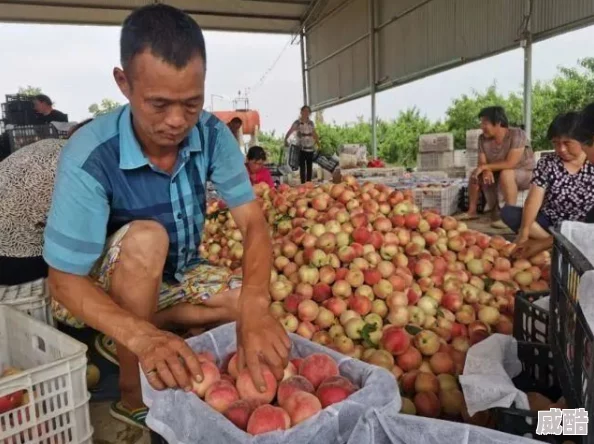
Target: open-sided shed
(354, 48)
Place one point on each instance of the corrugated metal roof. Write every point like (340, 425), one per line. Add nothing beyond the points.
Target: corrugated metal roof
(416, 38)
(282, 16)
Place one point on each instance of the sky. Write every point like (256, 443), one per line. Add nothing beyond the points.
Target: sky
(73, 65)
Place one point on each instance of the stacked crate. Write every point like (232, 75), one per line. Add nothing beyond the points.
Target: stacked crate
(436, 152)
(472, 145)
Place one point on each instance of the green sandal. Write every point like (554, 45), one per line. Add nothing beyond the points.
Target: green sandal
(106, 347)
(134, 418)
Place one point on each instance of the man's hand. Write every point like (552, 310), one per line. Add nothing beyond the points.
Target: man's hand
(166, 359)
(477, 172)
(260, 336)
(488, 177)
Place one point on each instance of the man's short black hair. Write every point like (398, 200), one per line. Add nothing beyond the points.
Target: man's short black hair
(256, 153)
(43, 99)
(584, 131)
(306, 107)
(235, 120)
(563, 125)
(167, 32)
(495, 115)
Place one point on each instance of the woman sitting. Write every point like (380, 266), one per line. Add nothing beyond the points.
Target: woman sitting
(256, 158)
(561, 189)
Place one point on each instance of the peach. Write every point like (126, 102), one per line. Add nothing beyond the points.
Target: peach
(427, 404)
(301, 406)
(291, 385)
(247, 389)
(268, 418)
(232, 366)
(211, 375)
(290, 370)
(411, 359)
(441, 362)
(407, 381)
(206, 356)
(426, 382)
(395, 340)
(408, 407)
(382, 358)
(308, 310)
(240, 411)
(427, 342)
(447, 382)
(317, 367)
(221, 395)
(452, 402)
(333, 390)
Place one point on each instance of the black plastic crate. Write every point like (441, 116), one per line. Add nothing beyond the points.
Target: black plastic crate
(157, 439)
(464, 200)
(531, 322)
(21, 136)
(294, 154)
(571, 337)
(538, 375)
(326, 162)
(18, 97)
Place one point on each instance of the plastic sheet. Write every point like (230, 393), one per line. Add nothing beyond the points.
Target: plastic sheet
(385, 425)
(487, 379)
(183, 418)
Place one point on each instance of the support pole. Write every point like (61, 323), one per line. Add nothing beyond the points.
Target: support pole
(303, 67)
(527, 44)
(372, 76)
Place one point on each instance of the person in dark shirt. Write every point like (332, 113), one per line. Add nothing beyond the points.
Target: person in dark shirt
(46, 113)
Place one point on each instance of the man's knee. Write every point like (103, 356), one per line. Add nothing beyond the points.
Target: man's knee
(507, 177)
(145, 245)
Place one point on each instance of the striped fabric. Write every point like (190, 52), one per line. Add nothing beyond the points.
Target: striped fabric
(104, 181)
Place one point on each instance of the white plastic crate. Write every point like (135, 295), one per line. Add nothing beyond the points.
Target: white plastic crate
(539, 154)
(435, 161)
(471, 159)
(32, 298)
(436, 143)
(54, 378)
(441, 199)
(472, 139)
(460, 158)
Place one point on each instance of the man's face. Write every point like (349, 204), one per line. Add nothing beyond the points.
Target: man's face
(39, 107)
(488, 128)
(305, 114)
(166, 102)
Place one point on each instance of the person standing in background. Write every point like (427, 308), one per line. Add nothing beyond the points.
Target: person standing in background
(307, 139)
(44, 107)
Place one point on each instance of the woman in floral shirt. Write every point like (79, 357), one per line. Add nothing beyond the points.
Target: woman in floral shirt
(561, 187)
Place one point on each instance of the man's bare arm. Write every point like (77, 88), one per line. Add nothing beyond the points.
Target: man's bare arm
(93, 306)
(158, 352)
(511, 161)
(259, 334)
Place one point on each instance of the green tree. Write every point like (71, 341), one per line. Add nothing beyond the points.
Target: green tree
(272, 144)
(104, 107)
(30, 90)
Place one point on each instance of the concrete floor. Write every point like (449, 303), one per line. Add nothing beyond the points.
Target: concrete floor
(111, 431)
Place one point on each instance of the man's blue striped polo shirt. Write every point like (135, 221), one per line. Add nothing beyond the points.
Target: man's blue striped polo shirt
(104, 181)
